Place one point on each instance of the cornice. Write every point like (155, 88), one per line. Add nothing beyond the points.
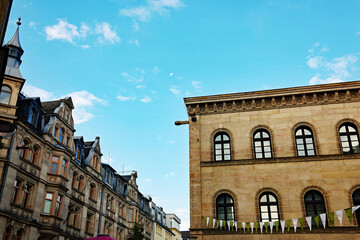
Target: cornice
(277, 98)
(280, 160)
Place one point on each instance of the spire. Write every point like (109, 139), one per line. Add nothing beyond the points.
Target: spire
(15, 53)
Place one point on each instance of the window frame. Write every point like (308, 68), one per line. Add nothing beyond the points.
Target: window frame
(55, 162)
(355, 203)
(268, 205)
(303, 137)
(27, 195)
(16, 191)
(225, 206)
(347, 134)
(262, 141)
(6, 93)
(58, 205)
(63, 169)
(314, 202)
(221, 143)
(48, 200)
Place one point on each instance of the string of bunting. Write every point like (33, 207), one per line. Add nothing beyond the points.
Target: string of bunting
(252, 227)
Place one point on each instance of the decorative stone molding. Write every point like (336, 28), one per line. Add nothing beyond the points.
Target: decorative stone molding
(233, 195)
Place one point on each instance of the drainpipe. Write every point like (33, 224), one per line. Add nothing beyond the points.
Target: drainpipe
(101, 207)
(6, 167)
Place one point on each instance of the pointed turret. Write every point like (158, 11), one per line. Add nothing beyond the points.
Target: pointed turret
(15, 53)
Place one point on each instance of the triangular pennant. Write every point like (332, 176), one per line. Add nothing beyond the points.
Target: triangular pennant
(339, 214)
(221, 224)
(236, 225)
(271, 224)
(266, 226)
(217, 223)
(301, 221)
(317, 220)
(282, 222)
(288, 224)
(252, 227)
(354, 208)
(228, 223)
(308, 220)
(348, 212)
(232, 225)
(323, 219)
(331, 218)
(256, 226)
(214, 222)
(207, 221)
(243, 226)
(248, 226)
(277, 225)
(295, 223)
(261, 227)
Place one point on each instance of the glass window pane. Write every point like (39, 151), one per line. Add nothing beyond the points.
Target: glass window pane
(218, 152)
(226, 145)
(300, 147)
(227, 157)
(308, 140)
(299, 141)
(351, 129)
(301, 153)
(343, 138)
(353, 137)
(298, 133)
(267, 155)
(258, 149)
(342, 129)
(263, 208)
(346, 150)
(267, 149)
(257, 144)
(265, 215)
(230, 216)
(258, 155)
(311, 153)
(257, 135)
(309, 146)
(273, 208)
(221, 210)
(229, 199)
(345, 144)
(265, 135)
(217, 146)
(218, 158)
(266, 143)
(221, 216)
(307, 132)
(218, 138)
(263, 199)
(227, 151)
(225, 137)
(272, 198)
(53, 167)
(274, 216)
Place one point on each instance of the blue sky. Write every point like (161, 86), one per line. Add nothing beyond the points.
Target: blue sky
(128, 64)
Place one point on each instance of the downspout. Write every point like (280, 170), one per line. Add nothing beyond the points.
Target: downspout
(6, 167)
(101, 207)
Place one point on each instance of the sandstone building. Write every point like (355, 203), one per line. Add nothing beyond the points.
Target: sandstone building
(272, 155)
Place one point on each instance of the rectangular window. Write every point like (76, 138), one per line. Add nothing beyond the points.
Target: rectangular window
(63, 168)
(27, 192)
(17, 184)
(48, 200)
(131, 213)
(58, 205)
(89, 223)
(54, 164)
(67, 141)
(56, 132)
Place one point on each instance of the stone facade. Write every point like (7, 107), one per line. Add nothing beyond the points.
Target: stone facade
(331, 170)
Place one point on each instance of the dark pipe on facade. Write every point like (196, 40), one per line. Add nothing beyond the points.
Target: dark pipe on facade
(101, 207)
(6, 167)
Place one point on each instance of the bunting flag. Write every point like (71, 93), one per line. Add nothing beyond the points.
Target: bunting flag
(252, 227)
(214, 222)
(331, 218)
(236, 225)
(231, 225)
(266, 226)
(317, 221)
(239, 226)
(301, 221)
(228, 223)
(288, 224)
(261, 227)
(282, 222)
(243, 225)
(248, 226)
(354, 208)
(348, 212)
(277, 226)
(323, 219)
(207, 221)
(256, 226)
(308, 220)
(271, 226)
(339, 214)
(221, 223)
(295, 223)
(217, 223)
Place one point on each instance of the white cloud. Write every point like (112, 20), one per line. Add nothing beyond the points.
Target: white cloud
(140, 86)
(171, 74)
(123, 98)
(156, 70)
(84, 30)
(171, 141)
(314, 62)
(196, 84)
(147, 180)
(135, 25)
(170, 174)
(137, 76)
(32, 24)
(174, 90)
(146, 12)
(146, 99)
(134, 42)
(108, 35)
(85, 46)
(62, 31)
(33, 91)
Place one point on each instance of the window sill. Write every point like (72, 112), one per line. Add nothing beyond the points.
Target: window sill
(30, 163)
(22, 207)
(58, 175)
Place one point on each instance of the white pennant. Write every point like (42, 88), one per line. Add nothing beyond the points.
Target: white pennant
(308, 220)
(282, 223)
(271, 226)
(252, 227)
(221, 224)
(243, 225)
(207, 221)
(236, 225)
(354, 208)
(323, 219)
(228, 222)
(295, 223)
(339, 214)
(214, 222)
(261, 226)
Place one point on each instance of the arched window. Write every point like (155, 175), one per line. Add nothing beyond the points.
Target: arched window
(262, 144)
(19, 235)
(25, 149)
(61, 135)
(5, 94)
(75, 183)
(92, 191)
(304, 141)
(35, 155)
(314, 203)
(222, 149)
(349, 138)
(269, 209)
(81, 183)
(356, 201)
(7, 233)
(225, 207)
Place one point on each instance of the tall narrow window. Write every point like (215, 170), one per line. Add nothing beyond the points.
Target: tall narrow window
(32, 116)
(35, 155)
(262, 144)
(5, 94)
(54, 164)
(7, 233)
(269, 209)
(63, 168)
(81, 183)
(75, 182)
(225, 207)
(92, 191)
(77, 156)
(58, 205)
(26, 197)
(61, 135)
(19, 235)
(349, 138)
(356, 202)
(304, 142)
(314, 203)
(15, 196)
(222, 149)
(89, 223)
(48, 200)
(25, 150)
(131, 215)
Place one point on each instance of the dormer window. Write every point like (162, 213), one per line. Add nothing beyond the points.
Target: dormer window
(5, 94)
(32, 116)
(78, 151)
(61, 135)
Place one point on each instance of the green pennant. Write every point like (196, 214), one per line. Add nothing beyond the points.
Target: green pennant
(348, 212)
(217, 223)
(266, 226)
(301, 221)
(317, 219)
(288, 224)
(256, 224)
(277, 225)
(331, 218)
(239, 226)
(231, 225)
(248, 226)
